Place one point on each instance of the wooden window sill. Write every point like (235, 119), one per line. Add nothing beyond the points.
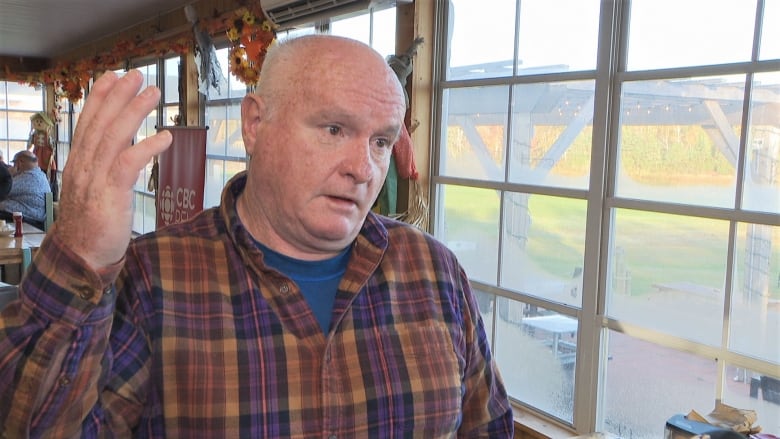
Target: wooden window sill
(529, 425)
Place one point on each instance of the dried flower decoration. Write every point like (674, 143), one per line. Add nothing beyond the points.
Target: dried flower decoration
(249, 32)
(250, 35)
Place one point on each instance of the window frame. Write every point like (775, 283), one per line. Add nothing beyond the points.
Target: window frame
(594, 319)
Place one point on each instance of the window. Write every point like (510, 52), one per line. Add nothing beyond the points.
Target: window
(69, 115)
(375, 28)
(17, 103)
(145, 214)
(611, 188)
(163, 73)
(172, 71)
(225, 154)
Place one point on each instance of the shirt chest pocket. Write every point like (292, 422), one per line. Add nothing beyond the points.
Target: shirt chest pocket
(424, 374)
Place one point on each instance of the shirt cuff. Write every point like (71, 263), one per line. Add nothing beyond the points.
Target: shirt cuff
(61, 285)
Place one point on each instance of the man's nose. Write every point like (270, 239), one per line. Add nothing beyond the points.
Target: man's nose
(357, 162)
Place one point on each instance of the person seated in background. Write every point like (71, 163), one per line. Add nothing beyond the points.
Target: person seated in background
(6, 179)
(28, 193)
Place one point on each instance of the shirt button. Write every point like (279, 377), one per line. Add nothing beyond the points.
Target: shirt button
(284, 289)
(64, 381)
(85, 292)
(333, 436)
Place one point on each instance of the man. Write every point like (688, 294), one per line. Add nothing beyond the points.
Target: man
(289, 311)
(28, 191)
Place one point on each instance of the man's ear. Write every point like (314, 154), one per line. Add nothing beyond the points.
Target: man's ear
(253, 112)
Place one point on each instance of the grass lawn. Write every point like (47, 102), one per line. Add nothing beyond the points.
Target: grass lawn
(654, 247)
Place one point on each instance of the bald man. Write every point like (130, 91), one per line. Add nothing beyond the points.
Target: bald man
(290, 310)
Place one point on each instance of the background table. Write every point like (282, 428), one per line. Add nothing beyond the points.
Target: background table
(556, 325)
(19, 251)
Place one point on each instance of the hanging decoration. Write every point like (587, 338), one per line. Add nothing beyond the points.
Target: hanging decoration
(402, 163)
(249, 32)
(209, 70)
(250, 35)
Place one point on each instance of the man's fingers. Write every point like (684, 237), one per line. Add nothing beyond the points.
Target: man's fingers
(114, 110)
(135, 158)
(97, 95)
(124, 126)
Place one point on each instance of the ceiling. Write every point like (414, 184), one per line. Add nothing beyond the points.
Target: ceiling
(47, 28)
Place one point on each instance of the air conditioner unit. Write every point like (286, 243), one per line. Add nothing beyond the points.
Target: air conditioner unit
(288, 13)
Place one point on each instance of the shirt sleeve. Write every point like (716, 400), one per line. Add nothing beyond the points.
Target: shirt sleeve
(487, 412)
(55, 357)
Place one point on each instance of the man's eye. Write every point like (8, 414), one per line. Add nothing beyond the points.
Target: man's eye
(382, 143)
(334, 130)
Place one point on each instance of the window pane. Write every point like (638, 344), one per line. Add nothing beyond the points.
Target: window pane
(77, 108)
(666, 272)
(14, 147)
(756, 299)
(224, 64)
(19, 125)
(63, 125)
(148, 126)
(235, 141)
(679, 140)
(24, 97)
(475, 133)
(671, 33)
(481, 38)
(219, 130)
(552, 128)
(486, 301)
(295, 33)
(544, 343)
(170, 114)
(543, 246)
(468, 223)
(215, 177)
(754, 391)
(568, 45)
(142, 182)
(218, 172)
(383, 32)
(149, 72)
(150, 214)
(171, 84)
(762, 173)
(233, 87)
(375, 28)
(646, 384)
(357, 27)
(138, 213)
(145, 214)
(770, 32)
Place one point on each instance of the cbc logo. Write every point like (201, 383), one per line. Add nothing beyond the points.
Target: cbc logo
(175, 206)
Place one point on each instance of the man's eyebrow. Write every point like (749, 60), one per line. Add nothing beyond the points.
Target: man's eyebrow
(392, 131)
(343, 116)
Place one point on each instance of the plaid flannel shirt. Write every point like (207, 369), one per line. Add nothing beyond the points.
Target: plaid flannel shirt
(198, 338)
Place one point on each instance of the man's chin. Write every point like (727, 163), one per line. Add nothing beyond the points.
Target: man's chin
(340, 233)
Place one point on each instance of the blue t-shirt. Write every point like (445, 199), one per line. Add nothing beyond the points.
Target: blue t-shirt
(318, 280)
